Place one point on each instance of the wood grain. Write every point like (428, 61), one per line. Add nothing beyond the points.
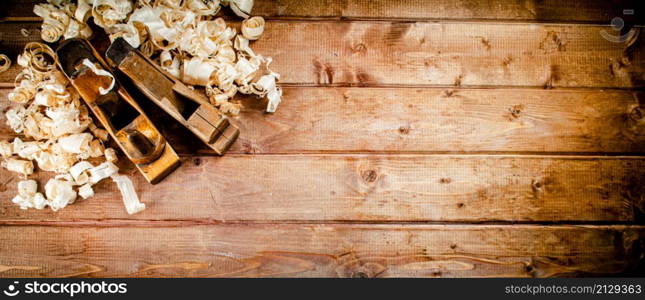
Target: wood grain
(369, 188)
(443, 120)
(295, 250)
(453, 54)
(371, 89)
(427, 120)
(445, 54)
(495, 10)
(595, 11)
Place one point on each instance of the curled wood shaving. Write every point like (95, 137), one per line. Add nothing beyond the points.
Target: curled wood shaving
(28, 195)
(59, 135)
(241, 8)
(110, 12)
(253, 28)
(59, 193)
(100, 72)
(58, 21)
(79, 172)
(5, 63)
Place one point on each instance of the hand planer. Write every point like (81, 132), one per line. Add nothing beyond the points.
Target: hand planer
(185, 105)
(117, 111)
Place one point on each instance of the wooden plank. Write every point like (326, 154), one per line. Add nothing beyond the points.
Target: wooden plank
(368, 188)
(303, 250)
(450, 120)
(495, 10)
(314, 119)
(453, 54)
(596, 11)
(445, 54)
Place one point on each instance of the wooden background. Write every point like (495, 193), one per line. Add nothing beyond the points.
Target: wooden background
(449, 138)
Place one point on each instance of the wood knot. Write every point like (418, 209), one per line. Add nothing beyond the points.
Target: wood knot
(369, 176)
(404, 130)
(537, 186)
(552, 42)
(359, 48)
(636, 114)
(197, 161)
(460, 205)
(249, 148)
(485, 42)
(448, 93)
(507, 61)
(360, 274)
(515, 111)
(366, 270)
(445, 180)
(363, 79)
(349, 265)
(458, 80)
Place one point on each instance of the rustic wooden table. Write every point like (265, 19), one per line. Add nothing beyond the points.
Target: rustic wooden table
(447, 138)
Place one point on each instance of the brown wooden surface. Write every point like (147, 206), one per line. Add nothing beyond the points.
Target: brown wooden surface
(372, 188)
(588, 11)
(320, 250)
(370, 53)
(423, 120)
(431, 139)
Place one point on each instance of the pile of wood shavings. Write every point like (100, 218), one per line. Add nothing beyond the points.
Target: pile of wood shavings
(59, 136)
(183, 36)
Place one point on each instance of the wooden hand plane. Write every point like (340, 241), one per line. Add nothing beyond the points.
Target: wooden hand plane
(188, 107)
(117, 111)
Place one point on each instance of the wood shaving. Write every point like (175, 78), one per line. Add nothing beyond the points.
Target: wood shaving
(79, 172)
(110, 12)
(59, 193)
(110, 155)
(86, 191)
(23, 167)
(241, 8)
(253, 28)
(100, 72)
(5, 63)
(129, 195)
(102, 171)
(58, 21)
(28, 197)
(58, 134)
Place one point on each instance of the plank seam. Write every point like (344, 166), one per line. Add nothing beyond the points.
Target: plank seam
(198, 222)
(143, 223)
